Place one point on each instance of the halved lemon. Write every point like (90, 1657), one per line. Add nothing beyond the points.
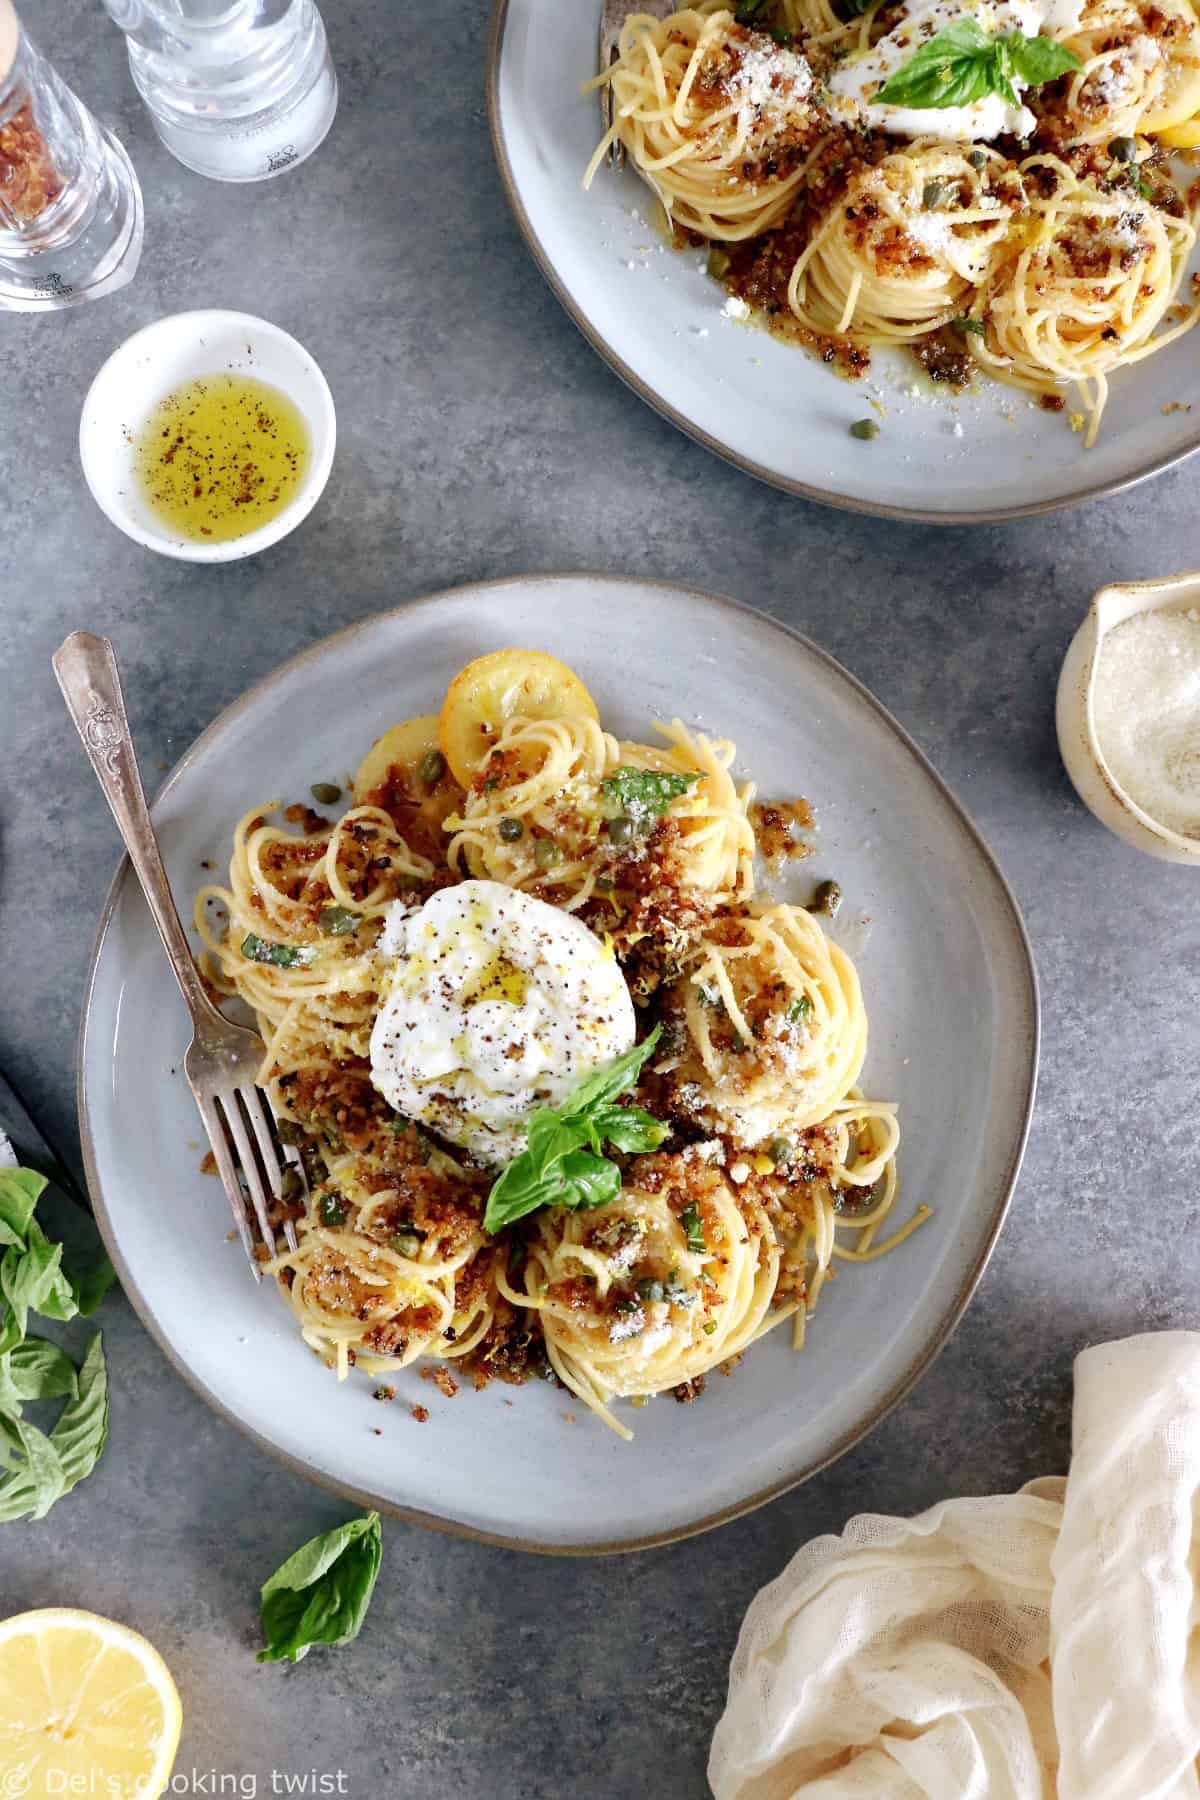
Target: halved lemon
(86, 1706)
(505, 684)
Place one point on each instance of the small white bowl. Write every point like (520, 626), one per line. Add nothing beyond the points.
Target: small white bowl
(162, 357)
(1094, 781)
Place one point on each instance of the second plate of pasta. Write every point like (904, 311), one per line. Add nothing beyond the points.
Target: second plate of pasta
(917, 257)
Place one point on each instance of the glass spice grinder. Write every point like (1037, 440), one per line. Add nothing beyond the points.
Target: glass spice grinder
(238, 90)
(70, 204)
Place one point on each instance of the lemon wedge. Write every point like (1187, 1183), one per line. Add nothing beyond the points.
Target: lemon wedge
(86, 1707)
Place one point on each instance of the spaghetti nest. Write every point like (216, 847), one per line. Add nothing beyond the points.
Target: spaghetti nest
(768, 1147)
(546, 812)
(882, 266)
(721, 131)
(652, 1292)
(1047, 253)
(1086, 287)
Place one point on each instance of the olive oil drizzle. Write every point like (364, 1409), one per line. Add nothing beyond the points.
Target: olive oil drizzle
(221, 456)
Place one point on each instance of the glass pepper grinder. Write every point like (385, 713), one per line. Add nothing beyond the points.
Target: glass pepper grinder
(70, 204)
(238, 90)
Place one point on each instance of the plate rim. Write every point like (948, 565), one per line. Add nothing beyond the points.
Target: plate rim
(947, 1324)
(876, 509)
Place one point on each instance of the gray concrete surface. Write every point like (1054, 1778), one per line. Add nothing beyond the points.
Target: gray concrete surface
(480, 436)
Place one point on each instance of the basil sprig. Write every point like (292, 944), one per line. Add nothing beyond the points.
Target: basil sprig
(963, 64)
(563, 1164)
(37, 1468)
(320, 1595)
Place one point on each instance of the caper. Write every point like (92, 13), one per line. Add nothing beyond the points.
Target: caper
(827, 899)
(1123, 149)
(621, 829)
(935, 195)
(407, 1241)
(325, 793)
(291, 1187)
(649, 1289)
(546, 853)
(604, 884)
(337, 921)
(779, 1150)
(978, 159)
(432, 767)
(511, 829)
(289, 1132)
(865, 429)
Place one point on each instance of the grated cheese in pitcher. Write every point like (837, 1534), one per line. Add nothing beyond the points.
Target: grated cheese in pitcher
(1146, 714)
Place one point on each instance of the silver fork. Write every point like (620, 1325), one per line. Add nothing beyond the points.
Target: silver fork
(612, 23)
(223, 1059)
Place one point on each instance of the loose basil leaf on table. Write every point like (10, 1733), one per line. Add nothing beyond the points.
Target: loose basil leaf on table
(35, 1370)
(37, 1468)
(320, 1594)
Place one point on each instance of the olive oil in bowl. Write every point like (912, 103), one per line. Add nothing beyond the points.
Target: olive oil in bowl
(221, 456)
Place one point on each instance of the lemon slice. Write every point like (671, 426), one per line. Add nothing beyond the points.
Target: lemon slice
(1182, 137)
(86, 1706)
(502, 685)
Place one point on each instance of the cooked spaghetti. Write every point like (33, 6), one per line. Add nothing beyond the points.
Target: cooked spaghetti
(565, 1096)
(1011, 207)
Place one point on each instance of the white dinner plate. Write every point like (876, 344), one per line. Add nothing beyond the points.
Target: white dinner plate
(768, 406)
(952, 1002)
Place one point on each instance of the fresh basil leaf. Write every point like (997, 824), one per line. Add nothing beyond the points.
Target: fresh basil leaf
(588, 1180)
(562, 1164)
(33, 1281)
(1037, 60)
(20, 1190)
(35, 1370)
(954, 68)
(321, 1594)
(91, 1287)
(962, 64)
(280, 956)
(82, 1426)
(534, 1178)
(629, 1128)
(33, 1477)
(606, 1084)
(643, 793)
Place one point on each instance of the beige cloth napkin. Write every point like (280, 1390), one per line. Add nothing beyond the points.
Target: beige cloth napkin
(1019, 1647)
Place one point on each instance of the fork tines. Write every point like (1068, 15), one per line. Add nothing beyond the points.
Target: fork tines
(250, 1161)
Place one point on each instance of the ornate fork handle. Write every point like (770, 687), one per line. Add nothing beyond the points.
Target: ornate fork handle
(87, 674)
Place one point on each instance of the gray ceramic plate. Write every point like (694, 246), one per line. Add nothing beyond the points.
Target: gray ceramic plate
(768, 406)
(953, 1008)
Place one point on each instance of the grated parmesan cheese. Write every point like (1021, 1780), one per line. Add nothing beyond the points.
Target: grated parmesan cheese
(769, 77)
(1146, 714)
